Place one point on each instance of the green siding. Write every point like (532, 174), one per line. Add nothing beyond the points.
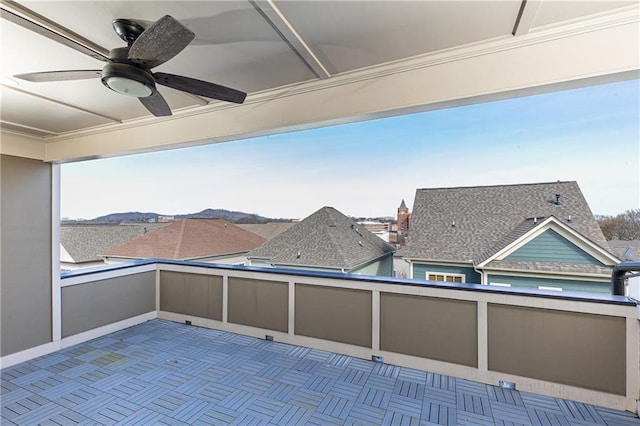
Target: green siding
(552, 247)
(564, 284)
(471, 276)
(381, 268)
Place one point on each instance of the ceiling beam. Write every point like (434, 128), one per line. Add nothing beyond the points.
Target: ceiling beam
(526, 15)
(44, 98)
(26, 18)
(283, 27)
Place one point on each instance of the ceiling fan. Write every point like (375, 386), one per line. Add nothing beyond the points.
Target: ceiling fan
(128, 69)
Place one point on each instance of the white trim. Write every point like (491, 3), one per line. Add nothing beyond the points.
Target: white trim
(56, 293)
(549, 288)
(29, 354)
(375, 320)
(566, 232)
(108, 274)
(292, 308)
(500, 284)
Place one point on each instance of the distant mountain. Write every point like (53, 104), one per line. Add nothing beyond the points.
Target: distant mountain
(231, 216)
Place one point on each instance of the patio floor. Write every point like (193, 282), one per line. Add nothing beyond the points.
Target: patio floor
(162, 372)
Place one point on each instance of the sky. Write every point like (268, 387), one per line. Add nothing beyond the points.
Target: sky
(365, 169)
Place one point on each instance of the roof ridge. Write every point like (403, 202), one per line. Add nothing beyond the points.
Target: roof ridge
(497, 185)
(179, 240)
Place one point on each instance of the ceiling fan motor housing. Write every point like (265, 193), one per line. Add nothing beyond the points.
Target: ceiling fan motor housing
(127, 79)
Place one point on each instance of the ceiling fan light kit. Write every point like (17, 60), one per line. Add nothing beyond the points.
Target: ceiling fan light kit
(128, 69)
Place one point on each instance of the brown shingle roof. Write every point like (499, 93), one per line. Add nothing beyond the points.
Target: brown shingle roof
(267, 230)
(487, 217)
(190, 238)
(327, 238)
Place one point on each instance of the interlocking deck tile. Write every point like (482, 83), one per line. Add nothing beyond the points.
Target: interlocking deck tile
(285, 361)
(543, 402)
(374, 397)
(31, 377)
(386, 370)
(234, 378)
(335, 406)
(318, 355)
(215, 392)
(294, 377)
(298, 351)
(167, 403)
(116, 411)
(307, 398)
(618, 418)
(361, 364)
(541, 417)
(393, 418)
(238, 400)
(61, 389)
(48, 361)
(191, 410)
(291, 415)
(264, 408)
(346, 390)
(67, 417)
(435, 413)
(15, 395)
(331, 371)
(77, 396)
(354, 376)
(411, 375)
(217, 415)
(507, 396)
(110, 381)
(271, 372)
(578, 411)
(381, 382)
(405, 405)
(319, 384)
(65, 365)
(147, 395)
(409, 389)
(40, 414)
(440, 381)
(366, 414)
(307, 365)
(143, 416)
(323, 419)
(472, 403)
(258, 385)
(281, 391)
(509, 412)
(338, 360)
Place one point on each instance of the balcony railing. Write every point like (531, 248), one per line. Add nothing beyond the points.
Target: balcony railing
(584, 347)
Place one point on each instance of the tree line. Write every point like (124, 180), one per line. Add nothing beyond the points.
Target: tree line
(624, 226)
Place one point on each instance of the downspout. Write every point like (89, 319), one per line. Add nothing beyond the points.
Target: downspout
(618, 276)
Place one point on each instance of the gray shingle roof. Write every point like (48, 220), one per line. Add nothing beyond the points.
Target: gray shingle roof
(626, 250)
(327, 238)
(487, 218)
(85, 243)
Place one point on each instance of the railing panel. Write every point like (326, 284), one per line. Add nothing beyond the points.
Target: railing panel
(337, 314)
(427, 327)
(97, 303)
(576, 349)
(191, 294)
(259, 303)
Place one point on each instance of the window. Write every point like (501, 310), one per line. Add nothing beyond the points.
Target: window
(450, 278)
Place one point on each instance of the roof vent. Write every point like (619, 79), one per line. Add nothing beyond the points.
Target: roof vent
(535, 219)
(557, 203)
(453, 224)
(569, 219)
(298, 255)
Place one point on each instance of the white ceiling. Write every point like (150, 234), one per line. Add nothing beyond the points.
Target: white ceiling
(260, 47)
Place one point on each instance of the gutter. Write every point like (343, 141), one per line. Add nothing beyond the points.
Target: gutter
(618, 276)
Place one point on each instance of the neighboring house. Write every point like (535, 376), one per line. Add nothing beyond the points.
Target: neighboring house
(81, 246)
(206, 240)
(626, 250)
(267, 230)
(326, 241)
(540, 235)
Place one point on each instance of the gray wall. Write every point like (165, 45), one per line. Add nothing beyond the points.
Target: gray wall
(191, 294)
(259, 303)
(91, 305)
(25, 254)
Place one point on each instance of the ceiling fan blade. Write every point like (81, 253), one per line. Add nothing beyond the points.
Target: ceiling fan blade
(160, 42)
(200, 88)
(156, 105)
(38, 77)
